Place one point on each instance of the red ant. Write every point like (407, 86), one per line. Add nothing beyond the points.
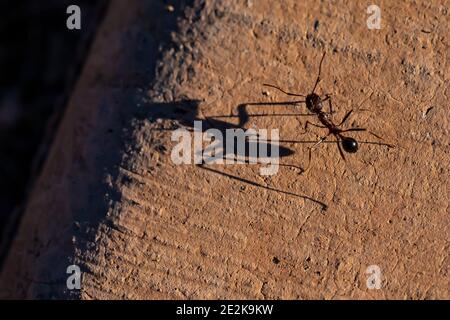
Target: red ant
(314, 103)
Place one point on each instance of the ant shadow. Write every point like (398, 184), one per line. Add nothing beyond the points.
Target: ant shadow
(187, 112)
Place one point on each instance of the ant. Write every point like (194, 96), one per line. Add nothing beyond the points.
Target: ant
(314, 103)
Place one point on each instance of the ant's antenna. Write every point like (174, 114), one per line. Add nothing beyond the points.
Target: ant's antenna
(318, 76)
(286, 93)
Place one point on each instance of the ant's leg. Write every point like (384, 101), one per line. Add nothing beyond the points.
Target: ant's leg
(338, 143)
(377, 143)
(340, 149)
(363, 129)
(370, 132)
(354, 129)
(286, 93)
(318, 75)
(315, 125)
(331, 107)
(374, 134)
(345, 118)
(310, 149)
(328, 97)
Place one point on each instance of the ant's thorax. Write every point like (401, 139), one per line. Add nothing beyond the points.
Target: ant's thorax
(314, 103)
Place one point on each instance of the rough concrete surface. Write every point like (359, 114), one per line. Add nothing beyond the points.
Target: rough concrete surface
(111, 200)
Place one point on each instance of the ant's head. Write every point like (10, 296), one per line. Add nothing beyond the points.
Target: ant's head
(313, 102)
(349, 145)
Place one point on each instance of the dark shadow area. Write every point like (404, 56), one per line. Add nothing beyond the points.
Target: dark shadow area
(89, 197)
(137, 68)
(186, 112)
(40, 61)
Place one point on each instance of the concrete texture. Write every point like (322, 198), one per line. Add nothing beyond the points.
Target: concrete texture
(111, 200)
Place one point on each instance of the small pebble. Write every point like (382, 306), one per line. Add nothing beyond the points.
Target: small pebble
(316, 25)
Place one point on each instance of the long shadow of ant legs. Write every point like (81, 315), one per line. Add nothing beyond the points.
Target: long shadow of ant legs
(186, 112)
(253, 183)
(244, 116)
(232, 155)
